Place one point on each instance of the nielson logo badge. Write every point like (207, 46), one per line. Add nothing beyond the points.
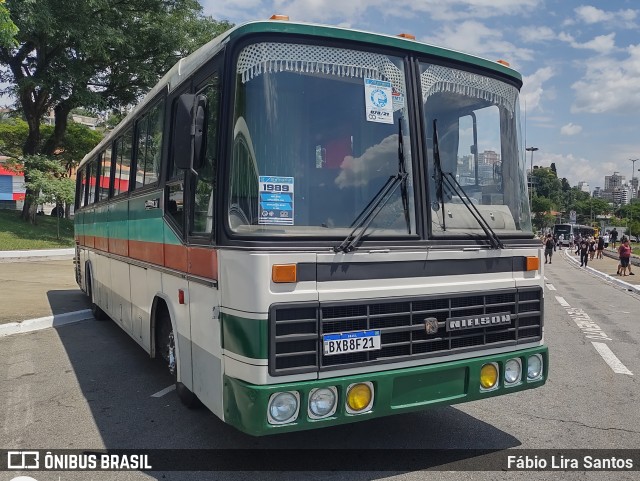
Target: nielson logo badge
(473, 322)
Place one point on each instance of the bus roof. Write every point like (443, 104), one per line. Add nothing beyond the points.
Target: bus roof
(187, 65)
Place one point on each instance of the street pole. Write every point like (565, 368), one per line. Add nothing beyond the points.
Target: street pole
(634, 192)
(532, 150)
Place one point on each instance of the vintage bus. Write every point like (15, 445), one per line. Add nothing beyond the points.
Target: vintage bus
(314, 226)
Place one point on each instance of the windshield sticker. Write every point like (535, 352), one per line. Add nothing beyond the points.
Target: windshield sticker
(378, 101)
(276, 200)
(398, 99)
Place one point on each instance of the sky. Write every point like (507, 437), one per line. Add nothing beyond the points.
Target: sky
(580, 62)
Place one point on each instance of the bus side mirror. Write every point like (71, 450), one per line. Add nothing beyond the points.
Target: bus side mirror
(189, 131)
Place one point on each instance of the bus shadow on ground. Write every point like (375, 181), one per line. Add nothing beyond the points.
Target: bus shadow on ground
(63, 301)
(118, 379)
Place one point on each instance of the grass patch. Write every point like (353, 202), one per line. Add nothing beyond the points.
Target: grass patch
(16, 234)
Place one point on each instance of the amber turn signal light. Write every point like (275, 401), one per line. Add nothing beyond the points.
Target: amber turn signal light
(533, 263)
(283, 273)
(279, 17)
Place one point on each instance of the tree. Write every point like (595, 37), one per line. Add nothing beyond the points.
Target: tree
(93, 54)
(77, 141)
(8, 29)
(547, 185)
(541, 208)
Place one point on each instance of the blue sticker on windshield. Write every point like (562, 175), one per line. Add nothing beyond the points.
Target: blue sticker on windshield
(276, 200)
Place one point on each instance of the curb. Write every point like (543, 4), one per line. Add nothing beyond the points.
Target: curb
(607, 277)
(44, 254)
(56, 320)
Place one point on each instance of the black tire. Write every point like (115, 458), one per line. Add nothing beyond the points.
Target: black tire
(165, 342)
(98, 313)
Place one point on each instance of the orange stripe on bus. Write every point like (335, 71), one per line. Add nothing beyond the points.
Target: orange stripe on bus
(203, 262)
(147, 251)
(175, 257)
(199, 261)
(119, 247)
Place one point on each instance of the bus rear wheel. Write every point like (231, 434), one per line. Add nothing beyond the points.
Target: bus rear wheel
(166, 342)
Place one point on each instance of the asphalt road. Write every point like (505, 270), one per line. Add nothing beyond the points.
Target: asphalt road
(38, 288)
(89, 386)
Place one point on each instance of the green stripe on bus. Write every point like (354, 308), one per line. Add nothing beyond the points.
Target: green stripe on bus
(247, 337)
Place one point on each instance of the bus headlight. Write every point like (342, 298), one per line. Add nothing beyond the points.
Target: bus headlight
(359, 397)
(283, 407)
(489, 377)
(322, 402)
(534, 367)
(512, 371)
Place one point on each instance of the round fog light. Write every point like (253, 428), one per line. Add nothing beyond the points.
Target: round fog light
(359, 397)
(488, 376)
(534, 367)
(322, 402)
(283, 407)
(512, 371)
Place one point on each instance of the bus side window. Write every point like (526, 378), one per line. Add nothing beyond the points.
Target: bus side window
(205, 183)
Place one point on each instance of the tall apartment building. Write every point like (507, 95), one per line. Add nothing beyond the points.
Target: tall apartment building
(613, 181)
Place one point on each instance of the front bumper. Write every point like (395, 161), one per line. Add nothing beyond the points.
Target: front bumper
(396, 391)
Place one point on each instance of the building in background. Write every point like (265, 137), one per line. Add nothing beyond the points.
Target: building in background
(584, 186)
(12, 189)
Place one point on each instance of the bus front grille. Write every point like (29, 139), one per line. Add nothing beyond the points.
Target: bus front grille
(296, 331)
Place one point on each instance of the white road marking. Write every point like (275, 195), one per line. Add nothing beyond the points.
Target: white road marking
(611, 359)
(166, 390)
(592, 331)
(551, 287)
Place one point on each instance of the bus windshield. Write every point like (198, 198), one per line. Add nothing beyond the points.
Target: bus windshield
(315, 138)
(474, 122)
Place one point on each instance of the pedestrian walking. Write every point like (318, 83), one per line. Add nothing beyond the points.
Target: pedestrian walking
(600, 248)
(584, 252)
(592, 248)
(548, 248)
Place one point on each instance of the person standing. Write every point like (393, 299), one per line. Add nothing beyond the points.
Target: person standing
(548, 248)
(592, 248)
(613, 237)
(584, 251)
(624, 251)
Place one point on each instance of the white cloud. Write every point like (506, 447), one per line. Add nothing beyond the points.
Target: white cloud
(536, 34)
(478, 39)
(609, 85)
(571, 129)
(602, 43)
(533, 89)
(592, 15)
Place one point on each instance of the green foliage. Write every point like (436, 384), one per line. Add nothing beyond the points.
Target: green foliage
(18, 235)
(8, 29)
(77, 141)
(547, 184)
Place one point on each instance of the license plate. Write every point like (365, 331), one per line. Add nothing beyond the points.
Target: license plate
(349, 342)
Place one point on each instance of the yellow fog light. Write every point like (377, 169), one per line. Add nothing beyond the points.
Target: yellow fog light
(488, 377)
(359, 397)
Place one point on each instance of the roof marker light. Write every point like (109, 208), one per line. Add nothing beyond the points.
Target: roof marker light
(504, 62)
(407, 35)
(276, 16)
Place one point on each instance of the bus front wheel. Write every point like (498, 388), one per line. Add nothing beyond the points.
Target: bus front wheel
(166, 343)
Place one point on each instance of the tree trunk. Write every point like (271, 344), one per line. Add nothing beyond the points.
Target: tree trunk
(30, 147)
(61, 115)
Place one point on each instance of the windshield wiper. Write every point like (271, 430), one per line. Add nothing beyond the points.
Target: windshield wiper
(373, 208)
(457, 189)
(438, 177)
(402, 170)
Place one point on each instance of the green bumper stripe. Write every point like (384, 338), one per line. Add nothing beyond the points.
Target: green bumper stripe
(247, 337)
(397, 391)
